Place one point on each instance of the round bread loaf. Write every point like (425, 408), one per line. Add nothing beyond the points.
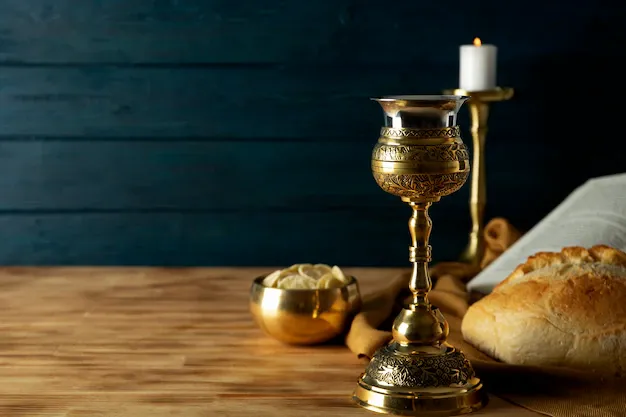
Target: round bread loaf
(563, 308)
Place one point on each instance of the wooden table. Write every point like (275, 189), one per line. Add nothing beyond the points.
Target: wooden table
(135, 342)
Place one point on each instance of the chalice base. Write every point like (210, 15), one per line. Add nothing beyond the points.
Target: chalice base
(424, 382)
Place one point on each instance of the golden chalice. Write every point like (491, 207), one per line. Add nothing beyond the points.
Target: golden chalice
(420, 157)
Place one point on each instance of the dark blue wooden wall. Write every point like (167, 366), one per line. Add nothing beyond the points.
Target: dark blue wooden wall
(238, 132)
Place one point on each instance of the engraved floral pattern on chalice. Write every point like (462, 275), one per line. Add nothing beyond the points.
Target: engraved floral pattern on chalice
(408, 370)
(409, 185)
(419, 153)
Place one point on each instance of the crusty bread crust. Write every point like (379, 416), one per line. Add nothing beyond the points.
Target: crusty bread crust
(563, 308)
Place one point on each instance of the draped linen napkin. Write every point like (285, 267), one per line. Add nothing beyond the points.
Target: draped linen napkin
(556, 392)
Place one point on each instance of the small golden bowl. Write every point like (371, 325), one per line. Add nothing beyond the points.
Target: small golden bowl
(304, 317)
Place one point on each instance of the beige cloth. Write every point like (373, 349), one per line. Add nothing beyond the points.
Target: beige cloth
(554, 392)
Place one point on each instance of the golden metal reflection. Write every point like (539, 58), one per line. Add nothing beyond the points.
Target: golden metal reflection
(420, 157)
(479, 103)
(304, 317)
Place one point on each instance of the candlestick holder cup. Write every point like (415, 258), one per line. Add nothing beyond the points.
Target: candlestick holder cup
(421, 158)
(479, 104)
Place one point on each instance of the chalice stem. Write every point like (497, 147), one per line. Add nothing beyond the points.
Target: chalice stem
(420, 226)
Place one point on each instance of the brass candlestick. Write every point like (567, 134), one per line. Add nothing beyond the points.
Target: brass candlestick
(420, 157)
(479, 112)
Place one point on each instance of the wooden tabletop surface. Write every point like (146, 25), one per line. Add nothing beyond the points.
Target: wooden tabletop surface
(135, 342)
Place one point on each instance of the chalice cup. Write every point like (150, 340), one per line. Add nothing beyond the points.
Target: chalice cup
(420, 157)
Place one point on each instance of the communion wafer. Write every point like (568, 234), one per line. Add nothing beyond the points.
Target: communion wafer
(297, 282)
(338, 273)
(328, 280)
(306, 276)
(272, 279)
(313, 271)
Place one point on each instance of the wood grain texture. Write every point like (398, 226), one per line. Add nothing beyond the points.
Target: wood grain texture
(123, 122)
(189, 202)
(134, 342)
(187, 175)
(370, 237)
(209, 175)
(217, 31)
(227, 102)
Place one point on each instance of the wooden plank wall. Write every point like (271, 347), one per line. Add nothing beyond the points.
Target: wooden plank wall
(213, 132)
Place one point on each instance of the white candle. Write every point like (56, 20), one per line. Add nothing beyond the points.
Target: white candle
(477, 69)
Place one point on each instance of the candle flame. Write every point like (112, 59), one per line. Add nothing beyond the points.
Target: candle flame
(477, 42)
